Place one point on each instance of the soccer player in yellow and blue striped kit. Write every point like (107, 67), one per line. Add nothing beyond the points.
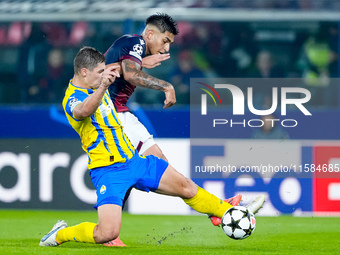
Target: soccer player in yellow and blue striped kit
(115, 166)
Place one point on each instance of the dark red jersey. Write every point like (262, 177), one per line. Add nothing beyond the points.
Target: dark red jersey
(126, 47)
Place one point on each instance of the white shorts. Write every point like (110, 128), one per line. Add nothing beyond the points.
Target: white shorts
(136, 132)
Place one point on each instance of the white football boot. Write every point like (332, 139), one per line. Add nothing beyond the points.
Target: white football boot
(256, 204)
(49, 238)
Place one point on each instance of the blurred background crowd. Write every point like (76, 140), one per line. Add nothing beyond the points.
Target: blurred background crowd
(258, 4)
(36, 56)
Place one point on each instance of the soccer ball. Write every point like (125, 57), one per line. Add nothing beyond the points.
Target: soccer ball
(238, 222)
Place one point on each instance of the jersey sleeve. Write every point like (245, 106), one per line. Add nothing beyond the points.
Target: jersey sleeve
(128, 47)
(75, 99)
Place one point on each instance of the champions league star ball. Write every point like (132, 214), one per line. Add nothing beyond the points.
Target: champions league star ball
(138, 48)
(238, 222)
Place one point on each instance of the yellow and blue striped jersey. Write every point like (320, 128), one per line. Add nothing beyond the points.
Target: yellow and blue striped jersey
(101, 134)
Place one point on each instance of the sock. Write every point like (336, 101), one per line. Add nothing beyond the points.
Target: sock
(82, 233)
(205, 202)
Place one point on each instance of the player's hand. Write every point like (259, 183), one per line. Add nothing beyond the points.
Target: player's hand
(109, 75)
(116, 64)
(170, 97)
(154, 60)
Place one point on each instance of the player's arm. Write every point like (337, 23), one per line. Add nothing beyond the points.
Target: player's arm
(148, 62)
(89, 106)
(137, 77)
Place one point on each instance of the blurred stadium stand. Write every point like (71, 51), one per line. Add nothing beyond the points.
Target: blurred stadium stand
(92, 6)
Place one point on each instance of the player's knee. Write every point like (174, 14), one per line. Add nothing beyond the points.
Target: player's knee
(111, 235)
(106, 236)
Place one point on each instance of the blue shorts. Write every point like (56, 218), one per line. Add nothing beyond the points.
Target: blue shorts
(112, 182)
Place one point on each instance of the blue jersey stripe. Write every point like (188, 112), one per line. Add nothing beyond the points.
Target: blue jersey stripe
(121, 128)
(100, 137)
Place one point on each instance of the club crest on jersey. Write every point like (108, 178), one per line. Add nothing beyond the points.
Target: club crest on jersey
(73, 103)
(102, 189)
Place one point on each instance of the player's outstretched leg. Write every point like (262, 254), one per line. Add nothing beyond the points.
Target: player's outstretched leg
(216, 221)
(256, 204)
(175, 184)
(50, 238)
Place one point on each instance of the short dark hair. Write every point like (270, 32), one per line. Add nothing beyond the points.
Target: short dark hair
(87, 57)
(163, 22)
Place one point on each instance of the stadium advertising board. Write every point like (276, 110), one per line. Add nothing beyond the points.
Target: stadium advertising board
(52, 174)
(296, 178)
(44, 173)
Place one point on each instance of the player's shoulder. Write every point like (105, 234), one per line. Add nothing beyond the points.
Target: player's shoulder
(73, 91)
(130, 39)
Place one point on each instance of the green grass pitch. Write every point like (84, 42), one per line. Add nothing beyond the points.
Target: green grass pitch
(21, 232)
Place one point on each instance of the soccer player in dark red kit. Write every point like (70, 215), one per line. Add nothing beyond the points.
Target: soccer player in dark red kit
(129, 51)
